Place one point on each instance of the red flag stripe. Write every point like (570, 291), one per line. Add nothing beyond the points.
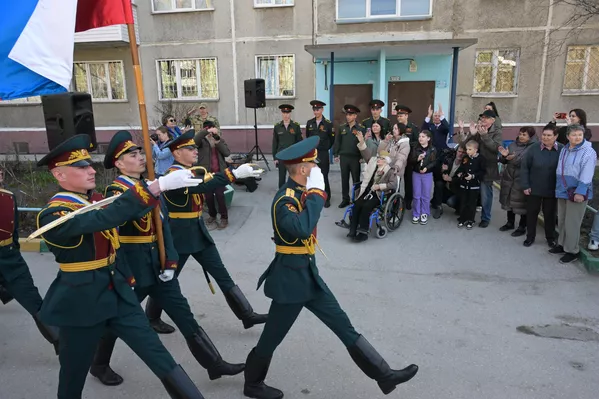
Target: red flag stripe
(98, 13)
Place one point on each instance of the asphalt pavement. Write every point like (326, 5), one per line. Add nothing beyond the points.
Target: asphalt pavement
(483, 316)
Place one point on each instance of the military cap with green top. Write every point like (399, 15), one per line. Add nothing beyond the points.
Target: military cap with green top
(286, 107)
(183, 141)
(302, 151)
(74, 151)
(120, 144)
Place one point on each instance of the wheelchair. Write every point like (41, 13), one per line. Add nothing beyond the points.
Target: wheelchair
(387, 216)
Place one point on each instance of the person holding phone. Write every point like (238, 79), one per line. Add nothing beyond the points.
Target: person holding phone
(163, 158)
(576, 116)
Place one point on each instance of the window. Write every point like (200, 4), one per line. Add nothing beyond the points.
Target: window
(105, 81)
(496, 72)
(582, 70)
(272, 3)
(278, 72)
(372, 9)
(180, 5)
(24, 100)
(189, 79)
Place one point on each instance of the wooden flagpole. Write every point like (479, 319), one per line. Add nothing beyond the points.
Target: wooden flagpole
(143, 115)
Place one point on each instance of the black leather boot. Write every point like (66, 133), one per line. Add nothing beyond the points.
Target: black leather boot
(207, 355)
(242, 308)
(256, 368)
(375, 367)
(5, 296)
(153, 312)
(101, 365)
(48, 332)
(179, 385)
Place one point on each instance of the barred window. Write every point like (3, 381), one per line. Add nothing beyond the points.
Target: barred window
(188, 79)
(104, 80)
(278, 72)
(496, 71)
(180, 5)
(582, 70)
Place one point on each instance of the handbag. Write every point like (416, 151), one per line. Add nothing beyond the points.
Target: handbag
(570, 190)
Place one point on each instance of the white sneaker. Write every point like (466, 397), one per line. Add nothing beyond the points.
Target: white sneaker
(479, 209)
(415, 220)
(423, 218)
(593, 245)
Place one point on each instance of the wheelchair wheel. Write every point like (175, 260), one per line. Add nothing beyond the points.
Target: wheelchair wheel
(394, 211)
(381, 232)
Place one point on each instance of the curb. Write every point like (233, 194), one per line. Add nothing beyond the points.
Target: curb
(36, 245)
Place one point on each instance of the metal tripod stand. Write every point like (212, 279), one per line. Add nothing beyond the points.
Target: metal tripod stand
(258, 152)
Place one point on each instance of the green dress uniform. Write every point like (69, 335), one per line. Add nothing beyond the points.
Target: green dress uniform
(385, 123)
(92, 291)
(283, 137)
(326, 132)
(15, 276)
(346, 148)
(191, 237)
(292, 282)
(139, 249)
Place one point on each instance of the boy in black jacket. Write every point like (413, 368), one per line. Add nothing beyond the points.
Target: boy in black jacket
(470, 174)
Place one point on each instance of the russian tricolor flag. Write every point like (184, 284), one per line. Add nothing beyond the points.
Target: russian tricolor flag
(37, 39)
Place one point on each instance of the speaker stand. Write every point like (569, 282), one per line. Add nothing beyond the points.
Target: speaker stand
(258, 152)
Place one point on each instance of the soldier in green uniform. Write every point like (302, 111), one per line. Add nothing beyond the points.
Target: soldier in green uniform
(323, 128)
(140, 251)
(375, 108)
(196, 118)
(412, 132)
(346, 151)
(292, 280)
(190, 235)
(92, 291)
(285, 133)
(15, 277)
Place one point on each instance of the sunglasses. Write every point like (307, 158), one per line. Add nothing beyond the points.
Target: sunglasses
(172, 120)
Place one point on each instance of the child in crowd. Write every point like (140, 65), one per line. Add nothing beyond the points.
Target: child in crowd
(423, 159)
(470, 174)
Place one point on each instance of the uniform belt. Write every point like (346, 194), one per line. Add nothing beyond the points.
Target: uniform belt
(88, 265)
(185, 215)
(137, 239)
(7, 242)
(285, 250)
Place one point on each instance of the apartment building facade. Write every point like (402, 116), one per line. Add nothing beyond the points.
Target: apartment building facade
(340, 51)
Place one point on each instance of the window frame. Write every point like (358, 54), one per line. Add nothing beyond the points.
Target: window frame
(587, 56)
(177, 10)
(257, 66)
(495, 65)
(178, 78)
(257, 5)
(20, 102)
(382, 18)
(109, 87)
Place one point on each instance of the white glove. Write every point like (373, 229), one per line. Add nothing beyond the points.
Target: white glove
(316, 179)
(244, 171)
(167, 275)
(178, 179)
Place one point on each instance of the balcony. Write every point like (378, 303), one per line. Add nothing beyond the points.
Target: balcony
(108, 36)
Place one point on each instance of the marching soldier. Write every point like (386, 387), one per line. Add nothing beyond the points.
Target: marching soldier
(140, 251)
(92, 291)
(375, 109)
(190, 235)
(412, 132)
(197, 118)
(285, 133)
(292, 280)
(15, 278)
(346, 151)
(323, 128)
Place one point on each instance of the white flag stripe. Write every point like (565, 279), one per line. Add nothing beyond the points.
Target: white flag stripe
(47, 43)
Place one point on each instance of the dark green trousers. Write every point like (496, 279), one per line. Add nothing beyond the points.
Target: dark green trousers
(282, 316)
(22, 288)
(282, 174)
(210, 260)
(78, 345)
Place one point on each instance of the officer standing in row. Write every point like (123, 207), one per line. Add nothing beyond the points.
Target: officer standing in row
(15, 277)
(293, 282)
(190, 235)
(375, 109)
(346, 151)
(92, 291)
(323, 128)
(412, 132)
(140, 250)
(285, 133)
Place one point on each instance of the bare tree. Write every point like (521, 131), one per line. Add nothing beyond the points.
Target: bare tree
(579, 13)
(180, 110)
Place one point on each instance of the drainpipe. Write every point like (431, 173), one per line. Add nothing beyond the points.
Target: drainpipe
(383, 79)
(332, 96)
(454, 87)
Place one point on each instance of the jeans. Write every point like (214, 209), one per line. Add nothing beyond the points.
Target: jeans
(486, 199)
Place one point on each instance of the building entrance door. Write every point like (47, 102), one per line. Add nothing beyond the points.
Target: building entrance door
(358, 95)
(416, 95)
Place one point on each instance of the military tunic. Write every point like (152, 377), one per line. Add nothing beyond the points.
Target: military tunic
(282, 138)
(15, 276)
(198, 122)
(292, 280)
(385, 123)
(326, 132)
(92, 290)
(346, 148)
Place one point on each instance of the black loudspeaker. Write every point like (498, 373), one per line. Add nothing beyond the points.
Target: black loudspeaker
(255, 93)
(66, 115)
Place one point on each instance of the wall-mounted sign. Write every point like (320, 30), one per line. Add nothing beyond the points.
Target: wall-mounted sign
(441, 84)
(394, 78)
(393, 105)
(413, 66)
